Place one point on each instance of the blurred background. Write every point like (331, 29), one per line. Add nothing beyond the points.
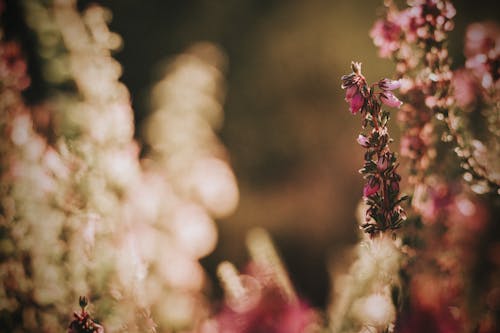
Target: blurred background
(288, 131)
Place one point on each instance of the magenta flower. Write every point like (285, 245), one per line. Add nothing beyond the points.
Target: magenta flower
(389, 99)
(371, 187)
(388, 84)
(354, 98)
(352, 83)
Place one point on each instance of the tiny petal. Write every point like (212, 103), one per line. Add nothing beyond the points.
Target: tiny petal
(390, 100)
(356, 67)
(387, 84)
(350, 92)
(363, 141)
(348, 80)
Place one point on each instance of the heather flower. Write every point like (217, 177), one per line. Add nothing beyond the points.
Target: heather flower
(371, 187)
(395, 186)
(386, 36)
(383, 162)
(466, 89)
(355, 100)
(353, 84)
(387, 84)
(389, 99)
(363, 141)
(481, 38)
(379, 168)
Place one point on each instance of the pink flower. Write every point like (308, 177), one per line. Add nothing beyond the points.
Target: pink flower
(354, 98)
(387, 84)
(480, 38)
(465, 88)
(363, 141)
(385, 35)
(353, 84)
(412, 145)
(371, 187)
(382, 163)
(389, 99)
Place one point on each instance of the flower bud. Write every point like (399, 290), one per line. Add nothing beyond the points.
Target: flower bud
(356, 67)
(387, 84)
(390, 100)
(371, 187)
(382, 163)
(395, 186)
(363, 141)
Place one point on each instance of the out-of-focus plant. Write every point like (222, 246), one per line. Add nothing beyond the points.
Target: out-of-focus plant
(262, 298)
(82, 214)
(86, 211)
(452, 227)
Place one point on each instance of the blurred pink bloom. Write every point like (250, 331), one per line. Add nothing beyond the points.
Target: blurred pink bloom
(410, 20)
(480, 38)
(465, 88)
(468, 213)
(273, 314)
(389, 99)
(386, 35)
(482, 49)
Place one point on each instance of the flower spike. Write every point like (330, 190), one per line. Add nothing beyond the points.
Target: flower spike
(381, 191)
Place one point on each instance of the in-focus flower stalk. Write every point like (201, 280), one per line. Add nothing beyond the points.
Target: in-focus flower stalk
(381, 191)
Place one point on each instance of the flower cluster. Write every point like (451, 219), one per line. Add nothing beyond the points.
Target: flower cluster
(381, 190)
(422, 63)
(424, 23)
(82, 211)
(441, 115)
(474, 119)
(441, 272)
(418, 39)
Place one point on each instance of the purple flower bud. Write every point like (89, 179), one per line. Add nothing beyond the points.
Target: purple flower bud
(371, 187)
(390, 100)
(387, 84)
(382, 163)
(395, 186)
(363, 141)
